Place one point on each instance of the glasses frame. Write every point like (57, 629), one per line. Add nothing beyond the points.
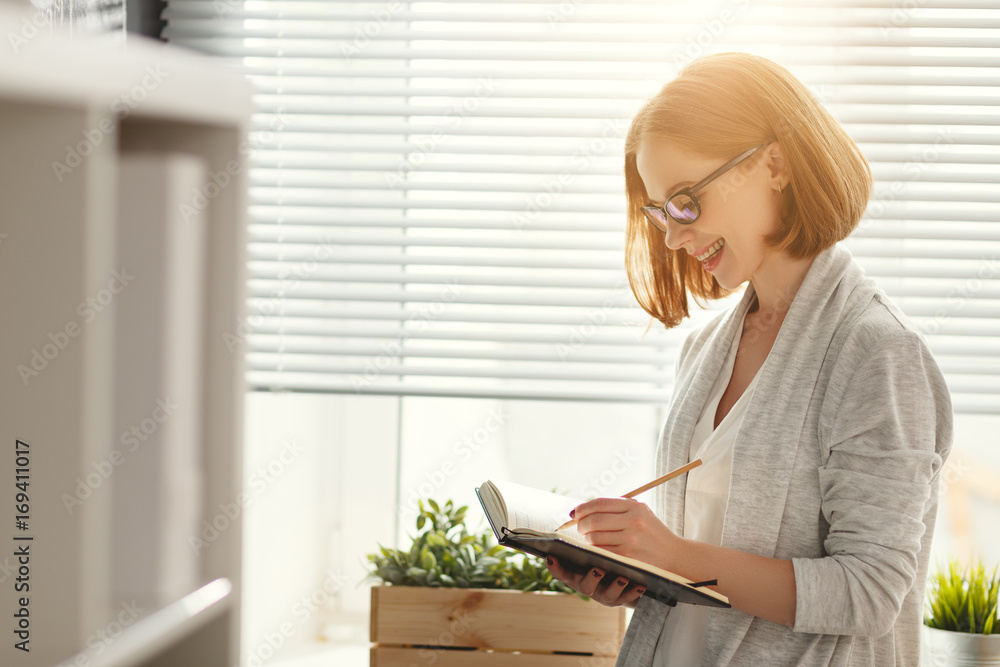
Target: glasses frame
(692, 193)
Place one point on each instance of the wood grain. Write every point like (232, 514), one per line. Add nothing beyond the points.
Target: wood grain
(502, 620)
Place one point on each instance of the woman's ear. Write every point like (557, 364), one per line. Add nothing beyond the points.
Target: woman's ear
(774, 162)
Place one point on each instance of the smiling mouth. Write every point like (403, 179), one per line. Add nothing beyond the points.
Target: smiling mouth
(714, 248)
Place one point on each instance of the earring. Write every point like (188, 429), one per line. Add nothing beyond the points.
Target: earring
(779, 188)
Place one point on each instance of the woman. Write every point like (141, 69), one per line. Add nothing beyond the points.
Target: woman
(820, 415)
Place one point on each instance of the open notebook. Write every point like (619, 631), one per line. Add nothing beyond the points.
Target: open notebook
(525, 519)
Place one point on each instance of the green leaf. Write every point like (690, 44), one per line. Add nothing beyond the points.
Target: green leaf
(445, 553)
(963, 599)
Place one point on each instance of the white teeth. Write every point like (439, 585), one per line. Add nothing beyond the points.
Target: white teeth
(711, 251)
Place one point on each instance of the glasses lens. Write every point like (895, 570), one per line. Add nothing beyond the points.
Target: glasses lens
(655, 216)
(683, 208)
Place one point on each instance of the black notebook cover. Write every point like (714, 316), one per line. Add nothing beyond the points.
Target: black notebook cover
(572, 557)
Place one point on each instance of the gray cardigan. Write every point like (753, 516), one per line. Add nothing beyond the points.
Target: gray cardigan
(835, 466)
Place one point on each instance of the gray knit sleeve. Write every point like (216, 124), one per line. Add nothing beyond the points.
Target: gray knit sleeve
(886, 444)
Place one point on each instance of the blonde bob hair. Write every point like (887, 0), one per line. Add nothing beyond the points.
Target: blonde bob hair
(719, 106)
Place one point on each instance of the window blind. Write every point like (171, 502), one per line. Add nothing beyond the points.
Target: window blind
(437, 194)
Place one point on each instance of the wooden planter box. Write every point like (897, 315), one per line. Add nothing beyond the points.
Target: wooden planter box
(476, 627)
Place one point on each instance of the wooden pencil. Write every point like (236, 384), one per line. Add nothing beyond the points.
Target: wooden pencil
(646, 487)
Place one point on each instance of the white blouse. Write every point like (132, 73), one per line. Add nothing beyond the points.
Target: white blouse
(682, 640)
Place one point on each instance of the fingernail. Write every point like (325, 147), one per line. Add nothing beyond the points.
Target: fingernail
(640, 591)
(621, 582)
(595, 573)
(572, 513)
(548, 561)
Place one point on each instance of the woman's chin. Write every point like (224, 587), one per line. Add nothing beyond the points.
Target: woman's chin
(727, 281)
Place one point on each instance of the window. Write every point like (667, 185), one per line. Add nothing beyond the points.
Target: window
(437, 200)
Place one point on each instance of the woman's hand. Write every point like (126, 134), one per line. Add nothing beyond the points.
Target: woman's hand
(613, 594)
(622, 526)
(629, 528)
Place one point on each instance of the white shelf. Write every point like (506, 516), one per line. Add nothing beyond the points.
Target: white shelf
(58, 248)
(165, 628)
(177, 84)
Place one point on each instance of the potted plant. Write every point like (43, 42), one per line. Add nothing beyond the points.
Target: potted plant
(457, 591)
(961, 626)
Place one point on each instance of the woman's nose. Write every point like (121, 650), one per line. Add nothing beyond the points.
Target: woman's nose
(676, 234)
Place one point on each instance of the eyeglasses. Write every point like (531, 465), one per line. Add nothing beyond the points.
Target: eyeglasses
(683, 206)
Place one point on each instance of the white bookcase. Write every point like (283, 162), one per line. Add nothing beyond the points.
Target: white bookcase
(70, 111)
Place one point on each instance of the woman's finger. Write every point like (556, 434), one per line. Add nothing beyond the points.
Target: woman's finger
(620, 591)
(603, 538)
(590, 581)
(631, 593)
(561, 573)
(568, 577)
(603, 505)
(586, 582)
(610, 593)
(601, 521)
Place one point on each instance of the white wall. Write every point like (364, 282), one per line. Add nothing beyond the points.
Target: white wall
(298, 565)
